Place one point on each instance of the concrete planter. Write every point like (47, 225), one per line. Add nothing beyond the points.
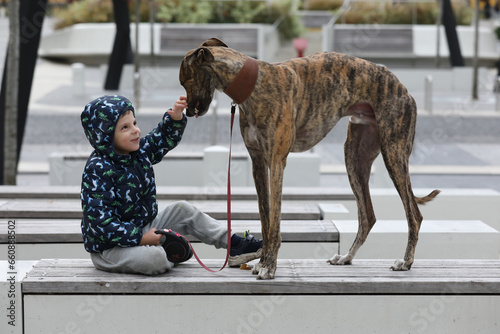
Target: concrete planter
(408, 45)
(92, 43)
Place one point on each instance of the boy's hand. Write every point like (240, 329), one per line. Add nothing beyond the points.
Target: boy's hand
(178, 108)
(150, 238)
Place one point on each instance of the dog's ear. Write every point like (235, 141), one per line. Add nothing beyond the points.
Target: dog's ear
(200, 56)
(214, 42)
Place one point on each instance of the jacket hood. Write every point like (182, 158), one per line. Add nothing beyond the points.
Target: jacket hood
(99, 119)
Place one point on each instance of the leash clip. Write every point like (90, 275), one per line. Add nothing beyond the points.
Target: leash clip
(233, 107)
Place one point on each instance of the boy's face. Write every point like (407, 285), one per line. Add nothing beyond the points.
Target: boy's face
(127, 134)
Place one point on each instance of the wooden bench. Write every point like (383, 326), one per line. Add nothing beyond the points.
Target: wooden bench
(315, 239)
(62, 238)
(450, 204)
(186, 193)
(435, 296)
(44, 215)
(179, 39)
(333, 203)
(71, 209)
(48, 218)
(372, 41)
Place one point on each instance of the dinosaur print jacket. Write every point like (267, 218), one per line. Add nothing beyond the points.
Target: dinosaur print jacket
(118, 191)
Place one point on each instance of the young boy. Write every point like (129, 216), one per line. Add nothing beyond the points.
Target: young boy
(120, 211)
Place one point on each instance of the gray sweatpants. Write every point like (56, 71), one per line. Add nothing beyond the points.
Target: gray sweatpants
(181, 217)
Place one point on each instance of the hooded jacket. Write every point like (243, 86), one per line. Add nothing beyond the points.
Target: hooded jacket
(118, 192)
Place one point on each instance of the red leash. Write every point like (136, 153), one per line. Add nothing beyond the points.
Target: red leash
(233, 110)
(239, 90)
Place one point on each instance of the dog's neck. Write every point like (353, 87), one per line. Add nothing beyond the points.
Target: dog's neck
(243, 84)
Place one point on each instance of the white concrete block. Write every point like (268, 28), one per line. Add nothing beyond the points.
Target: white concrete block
(11, 301)
(335, 211)
(179, 171)
(78, 79)
(32, 252)
(388, 314)
(438, 239)
(425, 41)
(215, 164)
(450, 204)
(65, 169)
(302, 170)
(215, 168)
(203, 169)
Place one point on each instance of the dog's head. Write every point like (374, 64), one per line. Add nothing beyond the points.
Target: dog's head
(197, 77)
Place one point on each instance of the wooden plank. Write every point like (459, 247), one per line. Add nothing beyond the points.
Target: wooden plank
(387, 41)
(179, 39)
(43, 231)
(12, 192)
(293, 277)
(185, 193)
(70, 209)
(68, 230)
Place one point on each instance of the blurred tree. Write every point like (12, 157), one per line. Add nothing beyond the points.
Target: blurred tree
(30, 20)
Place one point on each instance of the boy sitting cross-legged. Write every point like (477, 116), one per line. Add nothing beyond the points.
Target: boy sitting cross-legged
(120, 211)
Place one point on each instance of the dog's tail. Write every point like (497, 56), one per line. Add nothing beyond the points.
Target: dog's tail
(430, 197)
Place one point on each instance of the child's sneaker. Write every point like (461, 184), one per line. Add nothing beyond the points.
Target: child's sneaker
(244, 250)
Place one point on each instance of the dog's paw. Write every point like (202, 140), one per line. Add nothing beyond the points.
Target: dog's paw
(339, 260)
(256, 268)
(400, 265)
(265, 273)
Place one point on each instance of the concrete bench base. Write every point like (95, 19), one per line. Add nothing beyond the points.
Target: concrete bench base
(11, 298)
(450, 204)
(263, 314)
(438, 239)
(407, 46)
(207, 169)
(435, 297)
(171, 41)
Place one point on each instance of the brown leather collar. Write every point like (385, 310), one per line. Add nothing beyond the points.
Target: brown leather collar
(244, 82)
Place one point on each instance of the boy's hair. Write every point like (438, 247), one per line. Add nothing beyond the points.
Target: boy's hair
(126, 112)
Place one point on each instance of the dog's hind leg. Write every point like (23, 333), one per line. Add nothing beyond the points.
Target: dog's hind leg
(360, 149)
(396, 161)
(397, 165)
(396, 145)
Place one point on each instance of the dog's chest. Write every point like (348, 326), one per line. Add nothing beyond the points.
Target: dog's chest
(251, 135)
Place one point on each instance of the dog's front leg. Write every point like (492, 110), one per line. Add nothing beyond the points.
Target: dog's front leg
(269, 198)
(273, 239)
(261, 180)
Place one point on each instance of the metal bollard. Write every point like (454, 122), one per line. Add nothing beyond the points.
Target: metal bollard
(214, 105)
(78, 72)
(428, 94)
(137, 90)
(497, 95)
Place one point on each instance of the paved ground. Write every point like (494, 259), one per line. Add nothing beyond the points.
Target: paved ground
(457, 146)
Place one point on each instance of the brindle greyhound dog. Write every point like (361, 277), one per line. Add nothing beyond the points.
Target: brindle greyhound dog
(290, 106)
